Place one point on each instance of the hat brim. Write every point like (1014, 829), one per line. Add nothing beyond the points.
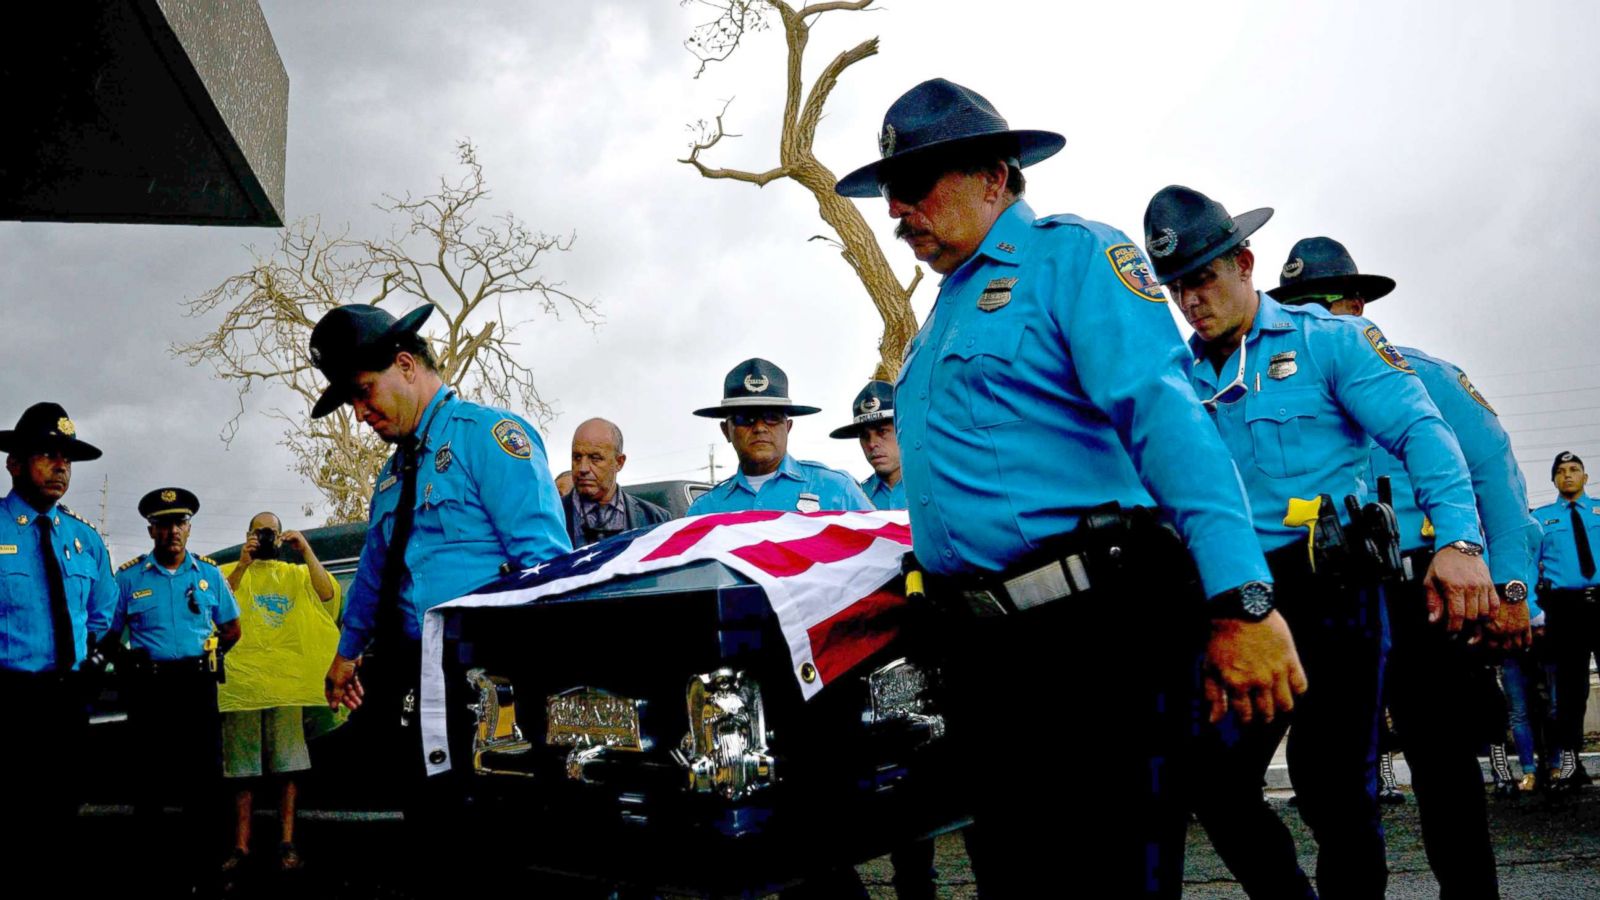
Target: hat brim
(854, 429)
(337, 393)
(722, 412)
(74, 449)
(1032, 147)
(1367, 287)
(1245, 224)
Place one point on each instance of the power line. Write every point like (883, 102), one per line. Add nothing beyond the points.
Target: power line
(1540, 371)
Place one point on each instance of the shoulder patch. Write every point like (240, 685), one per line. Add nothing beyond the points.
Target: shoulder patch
(512, 439)
(131, 563)
(1466, 385)
(1134, 272)
(1386, 350)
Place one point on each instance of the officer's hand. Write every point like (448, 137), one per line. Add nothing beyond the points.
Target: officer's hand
(1459, 589)
(343, 685)
(1509, 629)
(1252, 666)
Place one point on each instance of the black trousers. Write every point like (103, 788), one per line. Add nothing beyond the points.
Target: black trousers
(1022, 686)
(177, 735)
(1340, 634)
(1573, 626)
(1446, 704)
(41, 750)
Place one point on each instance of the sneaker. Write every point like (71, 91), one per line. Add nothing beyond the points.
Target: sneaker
(1391, 797)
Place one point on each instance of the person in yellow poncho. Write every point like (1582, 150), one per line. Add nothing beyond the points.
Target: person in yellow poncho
(288, 612)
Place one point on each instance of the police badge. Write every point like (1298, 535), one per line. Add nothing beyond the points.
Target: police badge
(996, 293)
(443, 459)
(1282, 365)
(809, 503)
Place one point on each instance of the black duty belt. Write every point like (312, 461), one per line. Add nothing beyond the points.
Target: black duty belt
(189, 665)
(1589, 594)
(1011, 593)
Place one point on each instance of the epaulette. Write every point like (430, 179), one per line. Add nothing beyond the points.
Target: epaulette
(68, 510)
(131, 563)
(207, 559)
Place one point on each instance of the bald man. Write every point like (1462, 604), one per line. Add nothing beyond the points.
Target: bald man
(597, 508)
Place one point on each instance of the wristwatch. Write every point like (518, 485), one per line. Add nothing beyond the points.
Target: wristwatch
(1465, 548)
(1514, 591)
(1251, 602)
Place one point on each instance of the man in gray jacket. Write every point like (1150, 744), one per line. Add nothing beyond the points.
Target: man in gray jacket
(597, 508)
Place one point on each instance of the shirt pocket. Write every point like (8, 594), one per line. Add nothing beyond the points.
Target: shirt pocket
(442, 509)
(16, 585)
(978, 359)
(142, 610)
(1278, 423)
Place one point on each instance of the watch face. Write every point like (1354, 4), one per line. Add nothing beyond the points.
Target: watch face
(1256, 598)
(1516, 591)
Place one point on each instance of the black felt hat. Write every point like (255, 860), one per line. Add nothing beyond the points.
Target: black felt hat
(1321, 265)
(169, 501)
(755, 384)
(874, 404)
(356, 338)
(936, 115)
(46, 426)
(1184, 229)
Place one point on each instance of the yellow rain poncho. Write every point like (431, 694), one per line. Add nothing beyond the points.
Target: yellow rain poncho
(287, 639)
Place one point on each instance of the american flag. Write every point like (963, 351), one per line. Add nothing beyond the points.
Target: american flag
(828, 575)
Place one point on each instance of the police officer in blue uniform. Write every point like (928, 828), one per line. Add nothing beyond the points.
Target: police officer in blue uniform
(57, 595)
(1570, 592)
(872, 424)
(1295, 392)
(756, 415)
(1439, 732)
(466, 495)
(1063, 485)
(172, 602)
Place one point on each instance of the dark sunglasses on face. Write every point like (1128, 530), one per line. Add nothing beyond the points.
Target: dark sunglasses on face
(746, 420)
(909, 185)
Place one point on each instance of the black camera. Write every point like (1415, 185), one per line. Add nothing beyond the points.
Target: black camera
(266, 543)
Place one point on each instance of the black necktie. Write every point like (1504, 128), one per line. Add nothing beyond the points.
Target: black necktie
(60, 618)
(391, 611)
(1581, 536)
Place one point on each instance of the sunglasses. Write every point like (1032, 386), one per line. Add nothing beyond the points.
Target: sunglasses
(1235, 390)
(747, 420)
(910, 185)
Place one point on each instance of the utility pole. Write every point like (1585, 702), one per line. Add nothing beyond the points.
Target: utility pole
(105, 496)
(711, 463)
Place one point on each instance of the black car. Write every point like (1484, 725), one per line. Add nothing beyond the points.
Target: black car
(649, 730)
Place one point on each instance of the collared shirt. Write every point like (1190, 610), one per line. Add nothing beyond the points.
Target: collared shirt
(484, 499)
(171, 613)
(27, 632)
(882, 495)
(1558, 551)
(1318, 386)
(609, 517)
(797, 485)
(1510, 532)
(1048, 380)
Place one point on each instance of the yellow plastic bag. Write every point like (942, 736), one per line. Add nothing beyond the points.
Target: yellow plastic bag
(287, 639)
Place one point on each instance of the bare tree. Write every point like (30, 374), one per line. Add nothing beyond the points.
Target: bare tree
(715, 41)
(481, 279)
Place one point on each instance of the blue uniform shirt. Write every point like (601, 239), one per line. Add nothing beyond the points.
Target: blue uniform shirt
(1050, 379)
(484, 499)
(798, 485)
(155, 605)
(1319, 385)
(27, 634)
(1510, 533)
(1558, 550)
(882, 495)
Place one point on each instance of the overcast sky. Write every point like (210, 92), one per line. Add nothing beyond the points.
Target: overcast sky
(1450, 146)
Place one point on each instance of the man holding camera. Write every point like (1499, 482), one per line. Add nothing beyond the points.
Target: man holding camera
(276, 670)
